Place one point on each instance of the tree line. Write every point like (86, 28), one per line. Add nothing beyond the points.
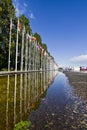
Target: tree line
(7, 11)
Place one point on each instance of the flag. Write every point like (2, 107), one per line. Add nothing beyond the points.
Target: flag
(42, 51)
(19, 26)
(11, 23)
(28, 37)
(34, 38)
(40, 47)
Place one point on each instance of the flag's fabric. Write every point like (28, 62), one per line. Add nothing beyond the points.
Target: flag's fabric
(41, 48)
(19, 25)
(42, 51)
(28, 37)
(34, 38)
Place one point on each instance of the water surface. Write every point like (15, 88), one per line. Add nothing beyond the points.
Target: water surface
(19, 94)
(46, 99)
(60, 109)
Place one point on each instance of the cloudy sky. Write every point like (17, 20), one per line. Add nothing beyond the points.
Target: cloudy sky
(62, 25)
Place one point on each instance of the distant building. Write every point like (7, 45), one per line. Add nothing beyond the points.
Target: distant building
(76, 68)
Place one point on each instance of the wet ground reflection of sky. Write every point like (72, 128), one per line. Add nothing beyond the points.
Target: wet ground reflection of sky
(60, 109)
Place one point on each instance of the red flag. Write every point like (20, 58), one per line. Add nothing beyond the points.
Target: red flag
(19, 26)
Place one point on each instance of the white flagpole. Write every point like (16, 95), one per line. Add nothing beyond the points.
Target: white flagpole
(22, 49)
(16, 48)
(9, 45)
(26, 54)
(29, 64)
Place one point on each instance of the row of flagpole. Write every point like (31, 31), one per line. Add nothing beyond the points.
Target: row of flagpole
(36, 58)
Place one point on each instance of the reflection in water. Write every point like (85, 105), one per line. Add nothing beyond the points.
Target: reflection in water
(60, 109)
(25, 89)
(21, 84)
(15, 85)
(19, 94)
(7, 103)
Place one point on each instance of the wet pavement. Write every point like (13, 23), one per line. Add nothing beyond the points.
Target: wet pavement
(61, 109)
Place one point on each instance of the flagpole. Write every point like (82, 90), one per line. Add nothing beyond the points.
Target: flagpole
(22, 50)
(16, 51)
(18, 27)
(29, 61)
(28, 66)
(26, 54)
(33, 57)
(9, 48)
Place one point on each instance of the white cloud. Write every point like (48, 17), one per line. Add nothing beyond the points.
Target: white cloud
(18, 12)
(31, 15)
(78, 59)
(20, 9)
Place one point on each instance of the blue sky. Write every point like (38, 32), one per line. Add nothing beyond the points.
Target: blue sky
(62, 25)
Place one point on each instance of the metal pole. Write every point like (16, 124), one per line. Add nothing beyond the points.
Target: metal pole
(16, 51)
(26, 54)
(9, 51)
(22, 50)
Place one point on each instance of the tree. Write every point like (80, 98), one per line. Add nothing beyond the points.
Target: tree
(7, 11)
(25, 22)
(38, 37)
(44, 46)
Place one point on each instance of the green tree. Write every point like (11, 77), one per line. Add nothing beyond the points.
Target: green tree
(25, 22)
(7, 11)
(38, 37)
(45, 47)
